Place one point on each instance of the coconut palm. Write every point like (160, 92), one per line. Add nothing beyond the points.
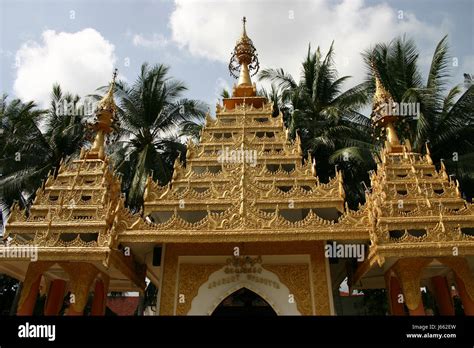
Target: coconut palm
(446, 119)
(273, 95)
(155, 121)
(33, 143)
(327, 119)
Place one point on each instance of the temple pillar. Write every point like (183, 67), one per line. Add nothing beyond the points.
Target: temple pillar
(323, 300)
(467, 301)
(100, 295)
(393, 292)
(464, 281)
(408, 271)
(29, 299)
(442, 293)
(418, 311)
(55, 298)
(81, 277)
(31, 286)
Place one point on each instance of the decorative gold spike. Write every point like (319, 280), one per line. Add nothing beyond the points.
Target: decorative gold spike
(244, 59)
(107, 102)
(105, 114)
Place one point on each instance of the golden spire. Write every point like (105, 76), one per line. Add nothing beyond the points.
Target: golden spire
(107, 102)
(381, 109)
(105, 114)
(244, 59)
(381, 95)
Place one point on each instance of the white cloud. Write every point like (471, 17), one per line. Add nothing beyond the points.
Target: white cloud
(80, 62)
(220, 85)
(156, 41)
(209, 29)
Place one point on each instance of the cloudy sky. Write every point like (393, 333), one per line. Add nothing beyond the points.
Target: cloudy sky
(77, 43)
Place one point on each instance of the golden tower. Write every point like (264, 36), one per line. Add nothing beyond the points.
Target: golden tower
(421, 228)
(73, 225)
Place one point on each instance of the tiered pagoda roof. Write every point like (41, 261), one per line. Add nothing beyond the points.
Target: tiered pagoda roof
(245, 181)
(74, 214)
(414, 209)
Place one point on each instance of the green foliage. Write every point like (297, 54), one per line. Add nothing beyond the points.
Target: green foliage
(327, 119)
(33, 143)
(155, 120)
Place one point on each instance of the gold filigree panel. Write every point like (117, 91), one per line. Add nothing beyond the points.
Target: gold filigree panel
(296, 279)
(191, 277)
(320, 280)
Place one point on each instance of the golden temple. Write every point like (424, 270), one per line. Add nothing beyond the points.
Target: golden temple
(246, 211)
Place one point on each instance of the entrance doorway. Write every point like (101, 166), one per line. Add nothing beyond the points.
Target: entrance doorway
(244, 302)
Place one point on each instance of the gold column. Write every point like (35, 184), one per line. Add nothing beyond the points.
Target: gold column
(320, 280)
(464, 281)
(408, 272)
(81, 276)
(31, 284)
(393, 292)
(168, 287)
(460, 266)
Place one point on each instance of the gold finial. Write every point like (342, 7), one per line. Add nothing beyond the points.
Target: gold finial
(381, 108)
(244, 59)
(107, 102)
(382, 98)
(105, 114)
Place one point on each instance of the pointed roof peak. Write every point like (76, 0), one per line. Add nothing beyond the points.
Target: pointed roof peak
(105, 119)
(107, 102)
(244, 31)
(381, 94)
(244, 60)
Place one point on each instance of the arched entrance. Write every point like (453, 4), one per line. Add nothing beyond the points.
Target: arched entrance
(244, 302)
(221, 285)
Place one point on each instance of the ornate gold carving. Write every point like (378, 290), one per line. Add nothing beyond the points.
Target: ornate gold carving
(296, 278)
(243, 264)
(191, 277)
(320, 283)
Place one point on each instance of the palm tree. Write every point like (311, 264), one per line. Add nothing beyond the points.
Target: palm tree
(34, 142)
(273, 95)
(446, 119)
(327, 119)
(155, 121)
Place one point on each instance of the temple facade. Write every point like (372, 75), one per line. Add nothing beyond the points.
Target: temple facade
(245, 223)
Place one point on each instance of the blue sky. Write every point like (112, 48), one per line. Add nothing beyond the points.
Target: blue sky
(78, 42)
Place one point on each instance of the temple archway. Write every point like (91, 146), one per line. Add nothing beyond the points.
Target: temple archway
(266, 285)
(244, 302)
